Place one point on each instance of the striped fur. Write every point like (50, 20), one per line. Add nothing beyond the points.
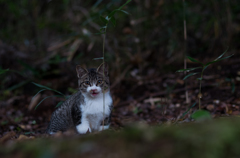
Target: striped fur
(84, 110)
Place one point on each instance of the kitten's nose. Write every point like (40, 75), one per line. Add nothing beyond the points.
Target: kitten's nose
(94, 90)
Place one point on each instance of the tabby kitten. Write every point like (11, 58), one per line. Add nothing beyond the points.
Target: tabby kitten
(84, 109)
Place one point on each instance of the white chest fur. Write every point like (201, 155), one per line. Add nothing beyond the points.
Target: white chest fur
(92, 112)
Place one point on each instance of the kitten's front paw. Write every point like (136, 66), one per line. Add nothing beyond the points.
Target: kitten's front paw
(83, 128)
(103, 127)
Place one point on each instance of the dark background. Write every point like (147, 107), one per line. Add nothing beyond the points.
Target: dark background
(43, 41)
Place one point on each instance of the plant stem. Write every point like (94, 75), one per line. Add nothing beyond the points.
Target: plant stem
(200, 89)
(185, 49)
(104, 37)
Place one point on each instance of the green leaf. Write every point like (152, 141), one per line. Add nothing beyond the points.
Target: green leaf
(194, 60)
(59, 104)
(124, 4)
(201, 115)
(211, 62)
(101, 58)
(199, 79)
(45, 87)
(190, 69)
(3, 71)
(205, 66)
(112, 13)
(119, 9)
(18, 85)
(190, 75)
(221, 55)
(104, 20)
(103, 28)
(188, 110)
(27, 133)
(45, 99)
(38, 93)
(67, 97)
(96, 4)
(113, 20)
(122, 11)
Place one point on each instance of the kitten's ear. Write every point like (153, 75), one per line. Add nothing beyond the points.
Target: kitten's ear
(100, 69)
(80, 71)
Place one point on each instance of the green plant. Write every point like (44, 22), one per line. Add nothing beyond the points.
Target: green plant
(2, 71)
(106, 20)
(203, 67)
(47, 88)
(103, 30)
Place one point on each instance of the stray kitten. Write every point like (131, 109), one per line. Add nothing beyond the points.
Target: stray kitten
(84, 109)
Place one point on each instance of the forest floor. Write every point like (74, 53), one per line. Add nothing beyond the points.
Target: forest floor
(150, 100)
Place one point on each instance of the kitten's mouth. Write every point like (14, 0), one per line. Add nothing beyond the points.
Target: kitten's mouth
(94, 94)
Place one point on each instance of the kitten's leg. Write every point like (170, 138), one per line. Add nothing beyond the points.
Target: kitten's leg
(84, 127)
(51, 133)
(103, 127)
(106, 124)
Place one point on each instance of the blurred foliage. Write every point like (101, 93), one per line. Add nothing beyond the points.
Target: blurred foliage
(53, 35)
(210, 139)
(154, 25)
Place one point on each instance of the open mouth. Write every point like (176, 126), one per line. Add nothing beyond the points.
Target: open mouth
(94, 93)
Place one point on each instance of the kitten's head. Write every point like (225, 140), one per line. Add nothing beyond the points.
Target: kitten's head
(93, 82)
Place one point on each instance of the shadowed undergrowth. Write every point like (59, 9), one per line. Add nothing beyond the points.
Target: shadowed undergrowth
(216, 138)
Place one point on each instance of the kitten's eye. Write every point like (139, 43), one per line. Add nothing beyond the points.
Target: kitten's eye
(87, 83)
(99, 81)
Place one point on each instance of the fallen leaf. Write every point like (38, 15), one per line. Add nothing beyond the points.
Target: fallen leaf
(210, 107)
(7, 136)
(25, 127)
(177, 105)
(34, 102)
(23, 137)
(180, 81)
(216, 101)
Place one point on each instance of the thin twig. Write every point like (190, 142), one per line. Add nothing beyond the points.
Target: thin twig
(185, 49)
(104, 37)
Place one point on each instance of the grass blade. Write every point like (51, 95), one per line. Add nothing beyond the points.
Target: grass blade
(189, 69)
(3, 71)
(45, 99)
(18, 85)
(119, 9)
(188, 110)
(101, 58)
(45, 87)
(194, 60)
(124, 4)
(59, 104)
(37, 94)
(112, 13)
(122, 11)
(190, 75)
(104, 20)
(211, 62)
(221, 55)
(113, 20)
